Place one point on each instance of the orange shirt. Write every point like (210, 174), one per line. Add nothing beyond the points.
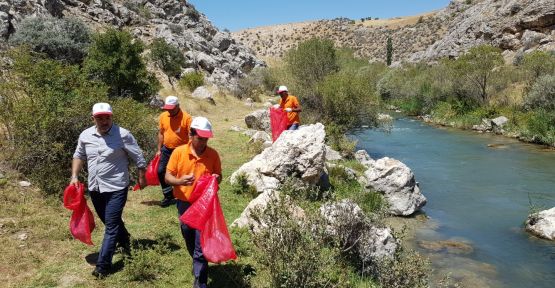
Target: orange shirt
(291, 102)
(184, 162)
(175, 129)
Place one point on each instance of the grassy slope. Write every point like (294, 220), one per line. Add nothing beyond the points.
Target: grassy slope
(50, 257)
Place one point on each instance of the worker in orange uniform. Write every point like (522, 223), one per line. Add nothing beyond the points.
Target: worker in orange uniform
(291, 105)
(187, 163)
(174, 132)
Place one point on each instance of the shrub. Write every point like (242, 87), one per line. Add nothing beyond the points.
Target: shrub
(336, 139)
(63, 39)
(146, 263)
(540, 127)
(253, 84)
(47, 105)
(539, 63)
(192, 80)
(242, 186)
(293, 251)
(407, 269)
(115, 59)
(542, 93)
(167, 57)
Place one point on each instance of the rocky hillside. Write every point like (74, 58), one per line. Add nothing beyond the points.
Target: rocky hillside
(206, 48)
(513, 25)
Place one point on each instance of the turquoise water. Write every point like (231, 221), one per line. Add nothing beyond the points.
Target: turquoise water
(479, 195)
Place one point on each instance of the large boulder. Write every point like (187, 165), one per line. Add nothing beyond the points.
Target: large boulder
(542, 224)
(259, 120)
(347, 224)
(247, 219)
(298, 155)
(202, 93)
(396, 182)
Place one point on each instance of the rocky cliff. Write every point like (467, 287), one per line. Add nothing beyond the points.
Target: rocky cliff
(516, 26)
(206, 48)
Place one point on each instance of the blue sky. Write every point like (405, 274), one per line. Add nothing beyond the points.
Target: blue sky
(241, 14)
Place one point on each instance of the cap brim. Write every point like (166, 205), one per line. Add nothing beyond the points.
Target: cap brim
(204, 133)
(102, 113)
(168, 107)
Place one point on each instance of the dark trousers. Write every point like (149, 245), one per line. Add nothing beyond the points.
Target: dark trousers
(293, 126)
(109, 207)
(192, 240)
(165, 154)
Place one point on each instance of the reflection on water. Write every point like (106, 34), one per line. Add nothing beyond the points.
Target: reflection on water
(479, 188)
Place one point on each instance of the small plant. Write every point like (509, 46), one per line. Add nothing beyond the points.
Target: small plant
(242, 186)
(146, 263)
(192, 80)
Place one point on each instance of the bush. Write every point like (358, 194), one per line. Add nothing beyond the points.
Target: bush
(167, 57)
(542, 93)
(192, 80)
(115, 59)
(253, 84)
(60, 39)
(407, 269)
(242, 186)
(146, 264)
(47, 105)
(540, 127)
(539, 63)
(293, 251)
(336, 139)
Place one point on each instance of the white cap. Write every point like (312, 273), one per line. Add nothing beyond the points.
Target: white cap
(202, 126)
(170, 103)
(101, 109)
(282, 89)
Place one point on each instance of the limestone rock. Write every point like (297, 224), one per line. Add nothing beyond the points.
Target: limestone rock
(396, 182)
(332, 155)
(298, 155)
(542, 224)
(24, 183)
(363, 158)
(347, 223)
(202, 93)
(260, 136)
(259, 120)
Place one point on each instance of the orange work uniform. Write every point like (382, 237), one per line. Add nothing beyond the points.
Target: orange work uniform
(184, 162)
(291, 102)
(175, 129)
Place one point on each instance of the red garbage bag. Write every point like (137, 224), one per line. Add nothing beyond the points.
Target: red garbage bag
(81, 223)
(151, 173)
(206, 215)
(278, 122)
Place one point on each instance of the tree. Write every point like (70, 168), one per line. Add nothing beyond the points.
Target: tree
(167, 57)
(61, 39)
(539, 63)
(313, 60)
(389, 51)
(115, 59)
(477, 67)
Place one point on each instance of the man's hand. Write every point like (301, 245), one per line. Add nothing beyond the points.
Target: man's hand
(187, 180)
(218, 178)
(142, 181)
(276, 106)
(74, 181)
(158, 153)
(288, 110)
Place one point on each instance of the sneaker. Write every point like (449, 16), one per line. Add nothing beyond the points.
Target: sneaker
(167, 202)
(99, 273)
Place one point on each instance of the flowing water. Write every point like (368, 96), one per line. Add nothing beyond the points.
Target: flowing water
(480, 188)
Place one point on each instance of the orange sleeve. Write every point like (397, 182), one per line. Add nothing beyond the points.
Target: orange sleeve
(296, 102)
(173, 162)
(188, 121)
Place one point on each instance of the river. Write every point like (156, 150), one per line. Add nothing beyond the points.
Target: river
(479, 189)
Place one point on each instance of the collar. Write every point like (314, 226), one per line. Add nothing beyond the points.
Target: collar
(176, 115)
(192, 154)
(109, 133)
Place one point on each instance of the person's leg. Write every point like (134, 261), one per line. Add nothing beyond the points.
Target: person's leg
(99, 202)
(115, 201)
(293, 126)
(167, 190)
(192, 241)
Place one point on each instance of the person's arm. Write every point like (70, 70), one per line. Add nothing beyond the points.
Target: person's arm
(186, 180)
(218, 169)
(76, 166)
(297, 107)
(136, 154)
(160, 141)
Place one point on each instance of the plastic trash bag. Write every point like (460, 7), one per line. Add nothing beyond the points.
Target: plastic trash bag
(81, 223)
(151, 173)
(206, 215)
(278, 122)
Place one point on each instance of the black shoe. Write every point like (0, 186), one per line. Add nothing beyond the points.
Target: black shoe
(99, 273)
(167, 202)
(197, 284)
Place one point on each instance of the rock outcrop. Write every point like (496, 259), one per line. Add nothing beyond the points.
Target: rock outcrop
(347, 222)
(396, 182)
(542, 224)
(297, 155)
(259, 120)
(214, 52)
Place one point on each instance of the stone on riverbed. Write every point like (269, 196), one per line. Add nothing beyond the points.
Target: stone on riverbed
(542, 224)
